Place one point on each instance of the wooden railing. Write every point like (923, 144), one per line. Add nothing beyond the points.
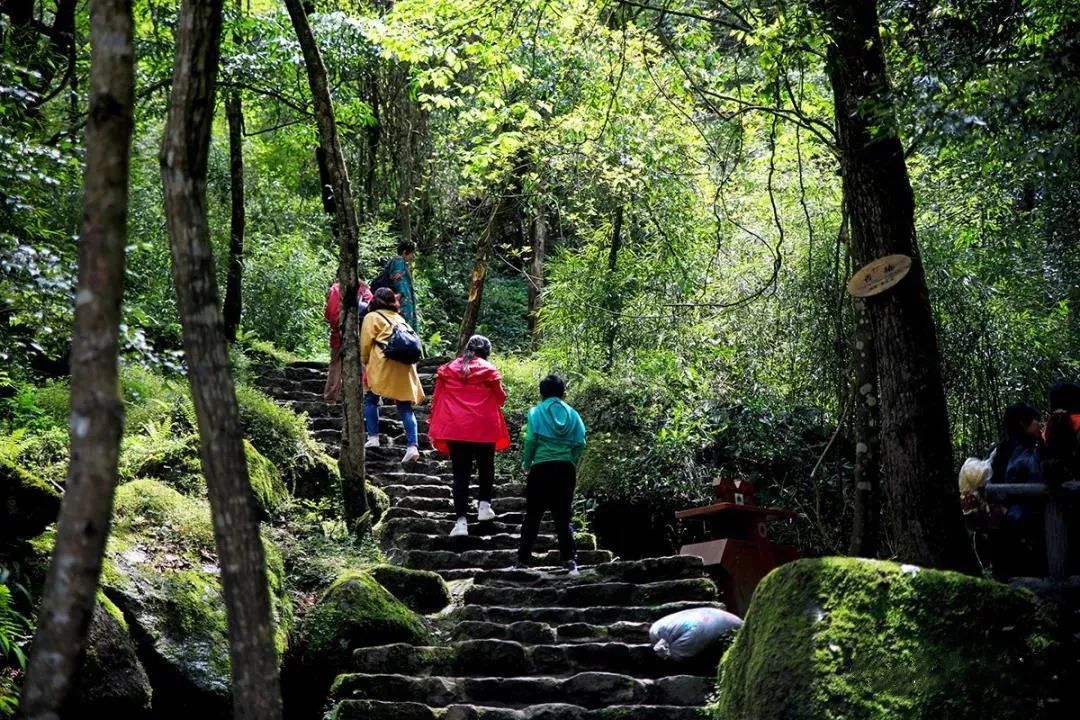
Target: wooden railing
(1056, 502)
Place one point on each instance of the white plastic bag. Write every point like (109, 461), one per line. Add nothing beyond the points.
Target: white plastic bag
(682, 635)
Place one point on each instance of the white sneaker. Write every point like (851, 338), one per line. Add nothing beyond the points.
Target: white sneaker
(372, 441)
(484, 512)
(411, 454)
(461, 528)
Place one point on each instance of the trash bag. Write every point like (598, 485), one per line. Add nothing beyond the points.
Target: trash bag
(682, 635)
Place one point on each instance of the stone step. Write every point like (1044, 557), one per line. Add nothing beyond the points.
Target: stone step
(480, 658)
(513, 518)
(382, 710)
(597, 615)
(476, 541)
(672, 567)
(443, 490)
(592, 594)
(485, 559)
(587, 689)
(395, 526)
(527, 631)
(505, 505)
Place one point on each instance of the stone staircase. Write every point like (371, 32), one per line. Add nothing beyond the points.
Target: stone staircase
(532, 644)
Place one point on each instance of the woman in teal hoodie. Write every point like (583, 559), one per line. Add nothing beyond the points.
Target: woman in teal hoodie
(554, 441)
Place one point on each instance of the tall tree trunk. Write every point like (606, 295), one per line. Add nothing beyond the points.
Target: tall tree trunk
(535, 276)
(916, 446)
(865, 535)
(374, 134)
(97, 412)
(234, 280)
(326, 189)
(613, 300)
(481, 261)
(255, 686)
(351, 459)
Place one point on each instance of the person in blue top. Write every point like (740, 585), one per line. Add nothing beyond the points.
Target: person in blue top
(554, 442)
(401, 280)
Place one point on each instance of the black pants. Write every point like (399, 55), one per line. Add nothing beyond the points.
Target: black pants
(550, 487)
(462, 456)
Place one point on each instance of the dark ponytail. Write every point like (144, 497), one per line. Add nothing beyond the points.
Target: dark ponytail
(477, 347)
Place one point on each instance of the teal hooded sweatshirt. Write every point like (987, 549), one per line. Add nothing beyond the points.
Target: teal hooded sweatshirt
(554, 433)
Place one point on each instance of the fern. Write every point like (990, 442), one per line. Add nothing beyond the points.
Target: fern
(14, 634)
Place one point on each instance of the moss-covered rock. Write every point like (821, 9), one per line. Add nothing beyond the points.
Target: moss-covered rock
(841, 638)
(422, 590)
(171, 459)
(111, 681)
(356, 611)
(161, 568)
(266, 484)
(378, 502)
(27, 503)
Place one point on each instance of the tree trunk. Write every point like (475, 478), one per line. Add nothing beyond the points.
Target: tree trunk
(233, 283)
(373, 133)
(97, 412)
(326, 189)
(916, 445)
(351, 459)
(535, 276)
(255, 686)
(864, 530)
(479, 275)
(613, 296)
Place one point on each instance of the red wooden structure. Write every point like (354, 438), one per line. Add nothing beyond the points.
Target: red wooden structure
(736, 547)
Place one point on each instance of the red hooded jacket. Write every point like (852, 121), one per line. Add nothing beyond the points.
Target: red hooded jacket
(468, 408)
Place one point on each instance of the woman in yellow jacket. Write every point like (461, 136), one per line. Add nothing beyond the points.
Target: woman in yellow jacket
(387, 378)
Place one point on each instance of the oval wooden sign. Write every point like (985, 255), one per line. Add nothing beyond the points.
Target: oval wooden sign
(879, 276)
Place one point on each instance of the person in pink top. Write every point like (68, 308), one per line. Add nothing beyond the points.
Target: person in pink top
(467, 424)
(332, 315)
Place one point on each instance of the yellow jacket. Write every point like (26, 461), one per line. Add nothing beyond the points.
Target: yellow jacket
(387, 378)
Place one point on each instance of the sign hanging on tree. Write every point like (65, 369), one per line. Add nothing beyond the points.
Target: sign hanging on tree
(879, 276)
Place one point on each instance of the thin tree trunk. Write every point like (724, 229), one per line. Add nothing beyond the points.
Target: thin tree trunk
(351, 459)
(864, 530)
(97, 412)
(479, 274)
(234, 280)
(536, 272)
(916, 445)
(326, 189)
(374, 134)
(613, 298)
(255, 685)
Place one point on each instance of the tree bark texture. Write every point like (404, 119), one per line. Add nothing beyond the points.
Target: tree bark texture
(235, 277)
(255, 684)
(535, 275)
(97, 411)
(481, 260)
(865, 533)
(613, 300)
(915, 440)
(351, 459)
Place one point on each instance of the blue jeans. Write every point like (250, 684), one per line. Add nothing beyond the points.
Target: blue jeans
(371, 417)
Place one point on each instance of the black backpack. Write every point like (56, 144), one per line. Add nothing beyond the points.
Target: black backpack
(382, 280)
(404, 344)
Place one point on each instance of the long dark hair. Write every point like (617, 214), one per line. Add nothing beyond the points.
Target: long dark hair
(477, 347)
(384, 299)
(1013, 434)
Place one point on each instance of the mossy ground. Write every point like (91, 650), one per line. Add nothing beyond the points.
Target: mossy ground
(848, 639)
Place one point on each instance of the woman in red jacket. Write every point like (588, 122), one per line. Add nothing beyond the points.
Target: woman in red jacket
(332, 315)
(468, 425)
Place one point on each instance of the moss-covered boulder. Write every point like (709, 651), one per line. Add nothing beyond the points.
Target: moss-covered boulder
(267, 487)
(842, 638)
(378, 502)
(162, 570)
(356, 611)
(111, 681)
(27, 503)
(422, 590)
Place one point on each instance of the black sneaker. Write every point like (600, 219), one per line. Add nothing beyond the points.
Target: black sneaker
(519, 565)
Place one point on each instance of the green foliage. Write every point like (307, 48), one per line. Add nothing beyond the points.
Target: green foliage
(822, 639)
(15, 634)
